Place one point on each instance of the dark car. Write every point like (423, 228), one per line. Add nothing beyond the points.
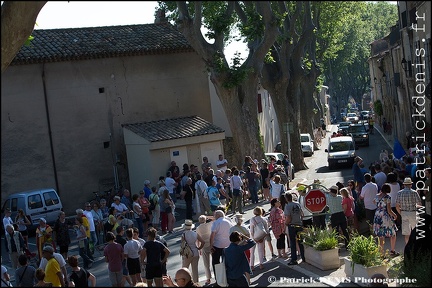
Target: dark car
(360, 133)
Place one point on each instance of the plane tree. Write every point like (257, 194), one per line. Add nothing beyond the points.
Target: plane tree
(236, 85)
(17, 22)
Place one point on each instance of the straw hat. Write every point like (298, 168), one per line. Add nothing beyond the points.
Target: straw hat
(188, 225)
(407, 181)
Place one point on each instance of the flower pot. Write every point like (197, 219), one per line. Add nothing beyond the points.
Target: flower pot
(361, 274)
(324, 260)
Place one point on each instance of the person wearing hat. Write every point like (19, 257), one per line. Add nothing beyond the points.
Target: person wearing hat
(43, 235)
(337, 216)
(59, 257)
(204, 231)
(191, 237)
(53, 273)
(407, 201)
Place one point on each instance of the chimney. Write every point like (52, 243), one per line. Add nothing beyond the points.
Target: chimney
(160, 17)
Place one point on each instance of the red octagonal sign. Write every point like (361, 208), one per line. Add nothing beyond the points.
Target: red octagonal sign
(315, 201)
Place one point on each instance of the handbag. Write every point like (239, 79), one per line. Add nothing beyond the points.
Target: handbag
(259, 232)
(220, 273)
(185, 249)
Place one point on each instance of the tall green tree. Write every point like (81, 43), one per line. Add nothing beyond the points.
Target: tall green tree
(348, 73)
(236, 86)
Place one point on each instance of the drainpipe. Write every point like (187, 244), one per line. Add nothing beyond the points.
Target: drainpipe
(49, 129)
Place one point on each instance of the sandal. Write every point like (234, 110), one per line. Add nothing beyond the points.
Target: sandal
(394, 253)
(207, 282)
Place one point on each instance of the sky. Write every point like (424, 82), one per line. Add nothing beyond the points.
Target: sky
(75, 14)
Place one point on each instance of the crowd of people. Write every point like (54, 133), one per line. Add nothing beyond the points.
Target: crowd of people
(129, 230)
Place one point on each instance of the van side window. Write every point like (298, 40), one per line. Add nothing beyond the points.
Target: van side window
(50, 198)
(35, 202)
(14, 205)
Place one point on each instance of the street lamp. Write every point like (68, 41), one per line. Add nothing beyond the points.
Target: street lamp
(406, 66)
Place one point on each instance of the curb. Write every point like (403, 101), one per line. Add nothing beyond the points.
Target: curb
(383, 136)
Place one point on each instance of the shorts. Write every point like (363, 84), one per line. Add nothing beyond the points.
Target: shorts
(134, 266)
(409, 221)
(24, 232)
(153, 272)
(115, 278)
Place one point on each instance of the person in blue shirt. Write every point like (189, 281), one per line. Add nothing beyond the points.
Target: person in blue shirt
(236, 263)
(358, 174)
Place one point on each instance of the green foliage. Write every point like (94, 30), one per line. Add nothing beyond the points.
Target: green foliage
(320, 239)
(419, 268)
(364, 251)
(234, 75)
(28, 41)
(378, 108)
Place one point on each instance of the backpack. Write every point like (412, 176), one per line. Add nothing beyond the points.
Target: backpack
(185, 249)
(152, 204)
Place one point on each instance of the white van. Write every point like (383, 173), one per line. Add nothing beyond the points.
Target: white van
(307, 144)
(341, 151)
(36, 204)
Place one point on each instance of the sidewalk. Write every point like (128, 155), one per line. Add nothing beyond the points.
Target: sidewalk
(389, 139)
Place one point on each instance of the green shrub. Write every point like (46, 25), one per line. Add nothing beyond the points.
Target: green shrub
(320, 239)
(364, 251)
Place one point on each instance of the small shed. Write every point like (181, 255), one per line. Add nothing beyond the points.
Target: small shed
(151, 146)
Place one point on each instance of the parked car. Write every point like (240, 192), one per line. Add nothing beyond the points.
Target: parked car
(341, 151)
(352, 117)
(360, 133)
(364, 114)
(36, 204)
(279, 156)
(307, 144)
(345, 123)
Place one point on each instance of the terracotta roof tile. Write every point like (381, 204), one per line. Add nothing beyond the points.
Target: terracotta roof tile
(174, 128)
(54, 45)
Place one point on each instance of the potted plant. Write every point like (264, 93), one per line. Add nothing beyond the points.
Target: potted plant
(364, 259)
(321, 248)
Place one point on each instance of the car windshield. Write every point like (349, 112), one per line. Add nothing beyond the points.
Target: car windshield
(352, 115)
(357, 129)
(304, 138)
(341, 146)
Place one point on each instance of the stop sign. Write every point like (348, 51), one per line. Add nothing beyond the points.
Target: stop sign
(315, 201)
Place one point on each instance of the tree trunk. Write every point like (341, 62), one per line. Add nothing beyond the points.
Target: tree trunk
(17, 23)
(240, 106)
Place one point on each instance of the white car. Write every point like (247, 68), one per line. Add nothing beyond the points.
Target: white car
(352, 117)
(279, 156)
(307, 144)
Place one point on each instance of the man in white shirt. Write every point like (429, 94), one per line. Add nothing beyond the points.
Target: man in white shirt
(368, 194)
(220, 236)
(59, 258)
(87, 212)
(222, 163)
(7, 219)
(171, 185)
